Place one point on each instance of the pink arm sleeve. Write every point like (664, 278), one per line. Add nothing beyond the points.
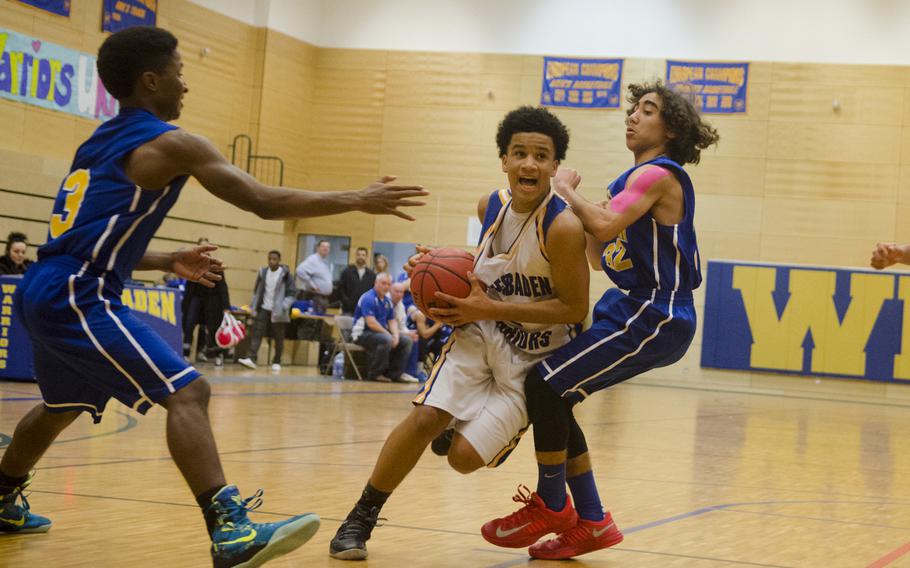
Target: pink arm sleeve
(631, 194)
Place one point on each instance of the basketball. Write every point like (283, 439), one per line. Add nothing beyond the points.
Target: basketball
(443, 270)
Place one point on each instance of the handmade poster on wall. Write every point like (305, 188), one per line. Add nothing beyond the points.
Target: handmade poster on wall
(721, 87)
(59, 7)
(581, 83)
(807, 320)
(121, 14)
(43, 74)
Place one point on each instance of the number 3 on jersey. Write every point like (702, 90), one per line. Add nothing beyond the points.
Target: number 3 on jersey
(615, 254)
(74, 185)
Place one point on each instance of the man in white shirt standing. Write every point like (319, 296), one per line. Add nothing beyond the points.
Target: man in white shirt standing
(270, 307)
(314, 277)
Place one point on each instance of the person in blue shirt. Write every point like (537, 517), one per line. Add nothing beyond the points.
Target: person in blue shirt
(376, 329)
(89, 347)
(643, 237)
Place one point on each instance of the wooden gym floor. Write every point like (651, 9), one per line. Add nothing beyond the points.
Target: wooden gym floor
(695, 478)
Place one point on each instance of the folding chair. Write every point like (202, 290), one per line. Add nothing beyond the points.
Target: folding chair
(343, 343)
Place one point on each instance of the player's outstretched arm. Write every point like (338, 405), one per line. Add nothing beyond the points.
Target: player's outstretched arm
(643, 190)
(887, 254)
(178, 152)
(195, 264)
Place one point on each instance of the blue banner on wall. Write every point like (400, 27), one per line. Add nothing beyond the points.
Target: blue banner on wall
(121, 14)
(38, 73)
(15, 347)
(581, 83)
(59, 7)
(720, 86)
(807, 321)
(157, 307)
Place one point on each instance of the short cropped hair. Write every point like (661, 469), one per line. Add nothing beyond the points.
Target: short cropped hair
(275, 252)
(127, 54)
(533, 119)
(691, 133)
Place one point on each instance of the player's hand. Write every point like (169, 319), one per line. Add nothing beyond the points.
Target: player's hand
(566, 182)
(395, 340)
(380, 198)
(414, 259)
(198, 265)
(886, 254)
(475, 307)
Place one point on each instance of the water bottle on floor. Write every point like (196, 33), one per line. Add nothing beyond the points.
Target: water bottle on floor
(338, 366)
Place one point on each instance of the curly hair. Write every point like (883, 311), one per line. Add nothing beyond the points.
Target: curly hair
(533, 119)
(127, 54)
(13, 238)
(692, 134)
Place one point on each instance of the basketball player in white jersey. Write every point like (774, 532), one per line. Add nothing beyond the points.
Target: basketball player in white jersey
(529, 288)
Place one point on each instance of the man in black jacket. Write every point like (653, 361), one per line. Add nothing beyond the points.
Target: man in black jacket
(356, 279)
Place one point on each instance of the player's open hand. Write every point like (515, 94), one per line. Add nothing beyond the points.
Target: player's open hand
(380, 198)
(198, 265)
(886, 254)
(415, 258)
(566, 182)
(475, 307)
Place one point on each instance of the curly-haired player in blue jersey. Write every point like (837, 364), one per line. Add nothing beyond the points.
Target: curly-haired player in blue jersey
(89, 347)
(644, 238)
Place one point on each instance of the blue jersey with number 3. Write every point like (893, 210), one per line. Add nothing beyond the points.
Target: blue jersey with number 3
(648, 255)
(100, 216)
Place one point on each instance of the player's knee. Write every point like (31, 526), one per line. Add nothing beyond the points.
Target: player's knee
(463, 457)
(541, 399)
(197, 393)
(429, 421)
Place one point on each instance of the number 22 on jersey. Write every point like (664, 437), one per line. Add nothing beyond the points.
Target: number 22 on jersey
(615, 254)
(75, 186)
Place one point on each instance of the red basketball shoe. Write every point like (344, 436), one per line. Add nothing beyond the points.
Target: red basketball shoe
(585, 537)
(525, 526)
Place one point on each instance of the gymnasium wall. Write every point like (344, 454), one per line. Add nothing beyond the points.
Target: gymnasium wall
(794, 180)
(227, 89)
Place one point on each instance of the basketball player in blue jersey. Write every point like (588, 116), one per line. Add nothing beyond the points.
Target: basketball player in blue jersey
(644, 238)
(88, 346)
(532, 259)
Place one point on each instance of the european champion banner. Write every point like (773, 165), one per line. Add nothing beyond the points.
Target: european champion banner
(584, 83)
(807, 321)
(159, 308)
(59, 7)
(50, 76)
(720, 86)
(121, 14)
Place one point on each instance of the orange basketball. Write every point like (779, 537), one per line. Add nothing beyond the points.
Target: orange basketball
(444, 270)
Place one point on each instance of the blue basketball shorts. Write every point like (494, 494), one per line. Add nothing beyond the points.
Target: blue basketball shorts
(88, 346)
(630, 334)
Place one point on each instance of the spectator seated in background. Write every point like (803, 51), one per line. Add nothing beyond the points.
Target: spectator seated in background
(432, 336)
(14, 261)
(401, 309)
(376, 330)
